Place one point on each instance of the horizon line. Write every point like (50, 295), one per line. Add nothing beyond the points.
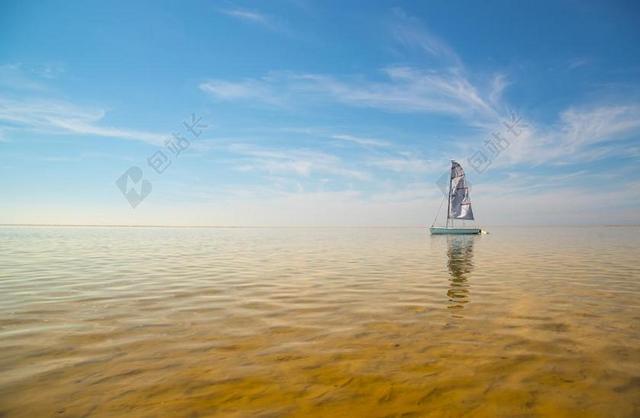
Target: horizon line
(292, 226)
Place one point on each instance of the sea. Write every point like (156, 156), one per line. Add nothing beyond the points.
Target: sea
(326, 322)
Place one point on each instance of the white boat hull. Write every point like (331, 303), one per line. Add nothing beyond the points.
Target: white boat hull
(436, 230)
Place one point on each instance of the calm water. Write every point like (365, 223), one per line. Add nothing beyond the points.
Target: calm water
(112, 322)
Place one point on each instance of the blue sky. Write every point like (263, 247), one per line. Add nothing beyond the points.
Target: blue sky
(319, 113)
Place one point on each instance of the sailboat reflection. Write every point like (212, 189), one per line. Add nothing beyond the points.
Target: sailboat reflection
(460, 263)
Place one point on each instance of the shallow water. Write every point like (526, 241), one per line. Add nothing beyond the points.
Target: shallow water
(154, 322)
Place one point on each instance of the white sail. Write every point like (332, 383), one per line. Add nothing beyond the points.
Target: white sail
(459, 200)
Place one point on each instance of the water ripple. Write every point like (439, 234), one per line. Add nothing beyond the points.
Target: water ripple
(326, 322)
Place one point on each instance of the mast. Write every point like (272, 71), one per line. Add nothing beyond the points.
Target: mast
(449, 196)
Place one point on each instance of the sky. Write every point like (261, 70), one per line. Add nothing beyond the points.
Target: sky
(318, 113)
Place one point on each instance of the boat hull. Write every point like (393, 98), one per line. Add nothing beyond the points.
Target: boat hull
(435, 230)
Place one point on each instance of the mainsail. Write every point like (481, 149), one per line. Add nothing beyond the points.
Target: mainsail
(459, 200)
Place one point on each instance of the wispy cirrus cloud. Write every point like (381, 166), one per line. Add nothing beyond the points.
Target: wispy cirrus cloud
(581, 134)
(411, 33)
(254, 17)
(443, 87)
(406, 89)
(248, 15)
(300, 162)
(584, 126)
(248, 89)
(358, 140)
(14, 77)
(56, 117)
(578, 62)
(499, 83)
(407, 164)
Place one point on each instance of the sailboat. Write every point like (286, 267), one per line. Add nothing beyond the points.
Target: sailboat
(458, 205)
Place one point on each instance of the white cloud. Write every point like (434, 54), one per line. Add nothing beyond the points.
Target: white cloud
(406, 89)
(250, 89)
(365, 142)
(407, 165)
(442, 88)
(56, 117)
(14, 76)
(50, 70)
(299, 162)
(248, 15)
(498, 85)
(411, 33)
(89, 128)
(580, 135)
(254, 17)
(605, 123)
(578, 62)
